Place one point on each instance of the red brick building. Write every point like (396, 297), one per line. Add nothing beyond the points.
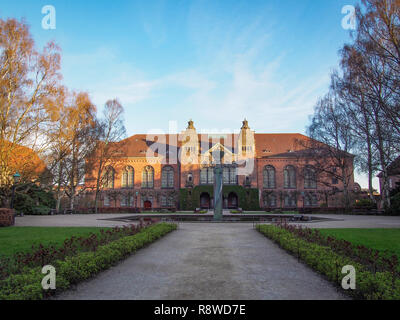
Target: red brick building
(393, 172)
(175, 170)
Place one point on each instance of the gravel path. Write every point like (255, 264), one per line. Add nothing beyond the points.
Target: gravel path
(208, 261)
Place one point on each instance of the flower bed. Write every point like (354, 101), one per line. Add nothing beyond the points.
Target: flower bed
(73, 266)
(377, 276)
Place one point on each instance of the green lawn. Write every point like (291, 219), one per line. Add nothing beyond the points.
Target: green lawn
(17, 239)
(380, 239)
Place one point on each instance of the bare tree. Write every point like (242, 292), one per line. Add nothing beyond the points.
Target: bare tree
(110, 130)
(80, 137)
(331, 143)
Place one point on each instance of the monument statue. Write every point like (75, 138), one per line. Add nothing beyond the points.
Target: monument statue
(218, 172)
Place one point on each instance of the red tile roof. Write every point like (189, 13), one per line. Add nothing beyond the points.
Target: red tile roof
(266, 144)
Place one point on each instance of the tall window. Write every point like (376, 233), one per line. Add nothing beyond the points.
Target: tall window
(270, 201)
(269, 177)
(230, 175)
(167, 177)
(206, 175)
(106, 200)
(167, 201)
(148, 177)
(128, 177)
(127, 200)
(289, 176)
(290, 200)
(108, 178)
(310, 200)
(310, 179)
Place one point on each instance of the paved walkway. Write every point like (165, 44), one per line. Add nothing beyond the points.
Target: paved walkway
(208, 261)
(98, 220)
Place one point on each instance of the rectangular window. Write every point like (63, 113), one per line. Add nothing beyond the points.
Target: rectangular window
(203, 176)
(123, 201)
(210, 176)
(226, 175)
(106, 201)
(163, 201)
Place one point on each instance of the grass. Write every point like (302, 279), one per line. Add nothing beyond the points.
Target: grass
(21, 239)
(379, 239)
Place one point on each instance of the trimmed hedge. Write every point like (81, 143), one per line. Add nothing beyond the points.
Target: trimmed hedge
(370, 286)
(72, 270)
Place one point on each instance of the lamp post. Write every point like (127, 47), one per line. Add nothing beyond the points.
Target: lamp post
(16, 178)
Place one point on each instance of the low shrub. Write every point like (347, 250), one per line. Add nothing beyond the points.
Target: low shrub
(82, 266)
(382, 284)
(42, 255)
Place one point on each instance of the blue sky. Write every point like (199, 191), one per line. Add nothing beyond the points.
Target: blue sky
(215, 61)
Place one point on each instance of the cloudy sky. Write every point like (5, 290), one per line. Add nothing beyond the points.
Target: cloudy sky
(215, 61)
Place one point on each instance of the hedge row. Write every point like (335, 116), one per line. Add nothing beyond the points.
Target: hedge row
(370, 286)
(72, 270)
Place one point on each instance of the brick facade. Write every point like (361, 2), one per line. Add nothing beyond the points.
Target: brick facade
(193, 151)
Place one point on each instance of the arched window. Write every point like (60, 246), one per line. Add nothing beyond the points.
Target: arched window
(167, 177)
(310, 178)
(289, 177)
(108, 178)
(269, 177)
(128, 175)
(148, 177)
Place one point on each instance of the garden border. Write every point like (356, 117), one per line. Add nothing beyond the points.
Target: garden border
(370, 286)
(72, 270)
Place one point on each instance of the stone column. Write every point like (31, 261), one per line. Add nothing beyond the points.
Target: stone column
(218, 171)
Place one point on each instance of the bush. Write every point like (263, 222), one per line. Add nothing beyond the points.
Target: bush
(40, 210)
(395, 205)
(84, 265)
(382, 285)
(37, 201)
